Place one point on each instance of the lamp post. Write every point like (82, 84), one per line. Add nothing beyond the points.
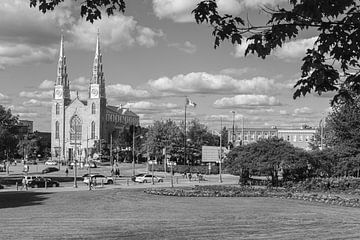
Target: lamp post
(220, 177)
(233, 128)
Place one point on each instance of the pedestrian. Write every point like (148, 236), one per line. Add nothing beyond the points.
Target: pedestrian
(112, 172)
(66, 171)
(23, 182)
(190, 177)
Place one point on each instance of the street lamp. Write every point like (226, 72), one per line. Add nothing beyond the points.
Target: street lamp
(220, 177)
(233, 128)
(133, 150)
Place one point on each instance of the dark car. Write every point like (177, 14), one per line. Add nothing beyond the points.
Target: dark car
(50, 169)
(1, 186)
(40, 182)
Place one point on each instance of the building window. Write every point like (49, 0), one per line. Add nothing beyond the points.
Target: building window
(93, 108)
(307, 138)
(288, 138)
(294, 138)
(300, 138)
(75, 128)
(57, 130)
(92, 130)
(57, 109)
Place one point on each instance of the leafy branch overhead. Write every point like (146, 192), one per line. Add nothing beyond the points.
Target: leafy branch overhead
(333, 62)
(90, 9)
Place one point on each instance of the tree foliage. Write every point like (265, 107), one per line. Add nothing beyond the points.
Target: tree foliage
(331, 65)
(8, 132)
(268, 156)
(90, 9)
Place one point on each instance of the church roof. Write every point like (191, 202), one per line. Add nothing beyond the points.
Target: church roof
(123, 111)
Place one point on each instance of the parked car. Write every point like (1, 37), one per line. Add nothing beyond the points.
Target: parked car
(90, 164)
(1, 186)
(98, 179)
(40, 182)
(144, 178)
(51, 162)
(50, 169)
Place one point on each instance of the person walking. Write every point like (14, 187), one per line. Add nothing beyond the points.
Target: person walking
(66, 171)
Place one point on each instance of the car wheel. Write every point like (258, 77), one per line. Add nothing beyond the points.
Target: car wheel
(36, 186)
(54, 185)
(110, 182)
(160, 180)
(144, 181)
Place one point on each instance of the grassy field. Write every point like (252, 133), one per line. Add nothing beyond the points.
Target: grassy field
(132, 214)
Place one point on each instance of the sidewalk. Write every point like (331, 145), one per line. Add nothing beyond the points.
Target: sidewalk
(123, 183)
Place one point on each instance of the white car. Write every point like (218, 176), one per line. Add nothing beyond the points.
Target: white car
(98, 179)
(145, 178)
(51, 163)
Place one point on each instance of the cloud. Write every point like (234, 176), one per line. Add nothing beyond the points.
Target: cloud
(125, 92)
(235, 71)
(240, 49)
(116, 32)
(186, 47)
(80, 84)
(150, 107)
(36, 103)
(247, 101)
(12, 54)
(295, 49)
(4, 99)
(47, 84)
(205, 83)
(303, 110)
(180, 10)
(37, 94)
(283, 112)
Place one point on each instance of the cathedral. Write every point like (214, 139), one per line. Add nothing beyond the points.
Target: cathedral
(78, 124)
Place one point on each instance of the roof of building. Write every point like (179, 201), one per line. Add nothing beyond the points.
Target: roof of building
(121, 110)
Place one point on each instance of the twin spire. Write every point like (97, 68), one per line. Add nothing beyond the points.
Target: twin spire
(97, 72)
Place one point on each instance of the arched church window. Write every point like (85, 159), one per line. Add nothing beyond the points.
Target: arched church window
(57, 130)
(93, 108)
(92, 130)
(75, 128)
(57, 109)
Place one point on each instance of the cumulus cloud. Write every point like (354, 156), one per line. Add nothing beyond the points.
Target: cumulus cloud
(240, 49)
(36, 103)
(295, 49)
(37, 94)
(187, 47)
(117, 32)
(180, 10)
(247, 101)
(235, 71)
(125, 92)
(205, 83)
(47, 84)
(80, 84)
(5, 99)
(150, 107)
(303, 110)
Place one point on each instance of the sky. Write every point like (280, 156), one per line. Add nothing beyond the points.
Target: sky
(153, 56)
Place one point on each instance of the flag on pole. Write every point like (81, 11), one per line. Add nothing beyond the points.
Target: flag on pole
(190, 103)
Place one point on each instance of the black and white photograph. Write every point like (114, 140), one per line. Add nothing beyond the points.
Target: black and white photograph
(179, 119)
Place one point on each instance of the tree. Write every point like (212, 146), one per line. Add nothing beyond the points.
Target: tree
(8, 132)
(333, 62)
(90, 9)
(29, 146)
(268, 156)
(164, 135)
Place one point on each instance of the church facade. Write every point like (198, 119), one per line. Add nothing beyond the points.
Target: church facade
(78, 124)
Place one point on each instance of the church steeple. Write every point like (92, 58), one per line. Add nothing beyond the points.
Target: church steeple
(97, 79)
(62, 88)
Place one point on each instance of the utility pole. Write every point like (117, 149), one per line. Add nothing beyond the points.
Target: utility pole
(220, 177)
(133, 152)
(111, 156)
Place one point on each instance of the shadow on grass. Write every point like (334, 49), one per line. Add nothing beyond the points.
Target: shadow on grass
(20, 199)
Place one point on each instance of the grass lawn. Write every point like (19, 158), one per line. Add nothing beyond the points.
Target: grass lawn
(132, 214)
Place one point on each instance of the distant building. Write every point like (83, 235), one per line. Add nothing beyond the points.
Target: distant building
(25, 127)
(300, 137)
(77, 124)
